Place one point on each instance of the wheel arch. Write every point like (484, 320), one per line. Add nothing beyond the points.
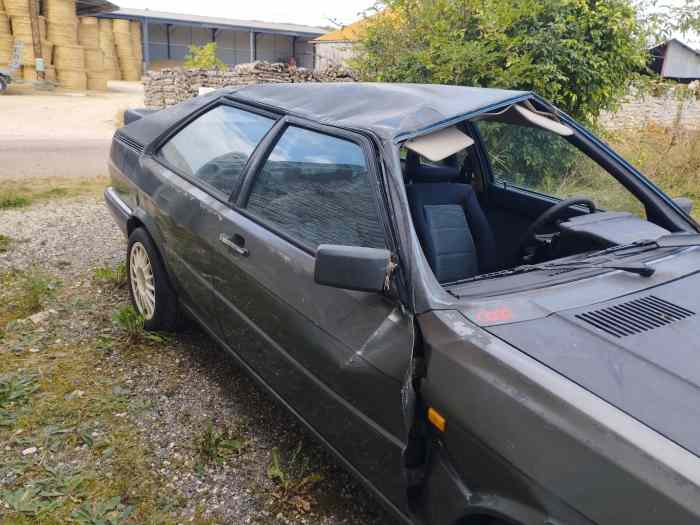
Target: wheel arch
(140, 219)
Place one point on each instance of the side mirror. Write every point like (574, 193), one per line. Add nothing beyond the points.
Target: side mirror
(684, 203)
(353, 268)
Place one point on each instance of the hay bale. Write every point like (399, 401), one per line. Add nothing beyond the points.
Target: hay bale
(27, 58)
(4, 24)
(121, 27)
(136, 43)
(42, 27)
(94, 60)
(61, 11)
(89, 33)
(63, 34)
(5, 49)
(69, 57)
(50, 73)
(21, 27)
(97, 80)
(131, 69)
(29, 73)
(72, 78)
(16, 7)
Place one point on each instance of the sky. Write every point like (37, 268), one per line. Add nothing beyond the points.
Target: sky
(306, 12)
(324, 13)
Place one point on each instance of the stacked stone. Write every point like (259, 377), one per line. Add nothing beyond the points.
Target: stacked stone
(170, 86)
(167, 88)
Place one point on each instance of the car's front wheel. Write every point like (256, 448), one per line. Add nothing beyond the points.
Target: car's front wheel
(149, 288)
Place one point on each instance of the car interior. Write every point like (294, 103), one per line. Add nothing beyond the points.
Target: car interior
(472, 220)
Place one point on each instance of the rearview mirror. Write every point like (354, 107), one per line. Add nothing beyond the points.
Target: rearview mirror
(684, 203)
(352, 267)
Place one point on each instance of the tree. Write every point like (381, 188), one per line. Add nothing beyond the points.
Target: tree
(580, 54)
(203, 57)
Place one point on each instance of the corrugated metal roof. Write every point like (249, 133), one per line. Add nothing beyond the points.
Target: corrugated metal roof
(91, 7)
(216, 22)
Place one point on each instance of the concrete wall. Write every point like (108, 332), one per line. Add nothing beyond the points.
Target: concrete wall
(639, 111)
(329, 54)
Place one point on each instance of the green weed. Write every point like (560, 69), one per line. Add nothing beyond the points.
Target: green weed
(112, 277)
(293, 475)
(5, 243)
(105, 512)
(130, 322)
(12, 200)
(214, 446)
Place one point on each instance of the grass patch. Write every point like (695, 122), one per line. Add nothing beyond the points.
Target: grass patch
(215, 445)
(85, 460)
(5, 243)
(111, 277)
(294, 477)
(669, 157)
(22, 294)
(11, 200)
(20, 192)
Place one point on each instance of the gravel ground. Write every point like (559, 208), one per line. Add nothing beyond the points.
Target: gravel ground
(185, 386)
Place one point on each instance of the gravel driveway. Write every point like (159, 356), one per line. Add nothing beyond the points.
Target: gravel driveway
(182, 388)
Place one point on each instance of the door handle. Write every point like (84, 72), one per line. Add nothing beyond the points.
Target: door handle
(236, 244)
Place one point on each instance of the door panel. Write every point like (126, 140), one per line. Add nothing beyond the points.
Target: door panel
(185, 216)
(308, 342)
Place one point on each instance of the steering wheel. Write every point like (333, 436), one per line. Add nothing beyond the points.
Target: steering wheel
(550, 215)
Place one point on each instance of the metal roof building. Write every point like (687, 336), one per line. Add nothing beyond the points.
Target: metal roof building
(675, 60)
(168, 36)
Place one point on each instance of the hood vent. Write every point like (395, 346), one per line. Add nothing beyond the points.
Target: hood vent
(636, 316)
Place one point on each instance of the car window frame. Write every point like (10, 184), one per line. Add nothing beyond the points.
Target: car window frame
(221, 196)
(254, 170)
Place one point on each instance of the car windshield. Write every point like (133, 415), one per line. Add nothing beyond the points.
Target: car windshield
(542, 161)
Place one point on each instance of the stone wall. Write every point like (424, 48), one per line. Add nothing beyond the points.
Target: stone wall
(170, 86)
(669, 109)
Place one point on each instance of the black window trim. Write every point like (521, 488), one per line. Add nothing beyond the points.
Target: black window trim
(254, 167)
(221, 196)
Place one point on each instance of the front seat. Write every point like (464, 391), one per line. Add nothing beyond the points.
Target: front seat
(455, 235)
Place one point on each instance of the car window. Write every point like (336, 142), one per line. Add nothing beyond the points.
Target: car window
(542, 161)
(316, 189)
(216, 146)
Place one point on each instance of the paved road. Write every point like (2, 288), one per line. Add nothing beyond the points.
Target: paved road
(61, 133)
(53, 157)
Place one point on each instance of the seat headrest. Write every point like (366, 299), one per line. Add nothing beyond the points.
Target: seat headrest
(417, 172)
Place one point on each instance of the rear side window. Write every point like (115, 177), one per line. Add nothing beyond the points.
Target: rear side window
(216, 146)
(316, 188)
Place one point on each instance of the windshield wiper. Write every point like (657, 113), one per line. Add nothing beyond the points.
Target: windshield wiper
(675, 240)
(640, 269)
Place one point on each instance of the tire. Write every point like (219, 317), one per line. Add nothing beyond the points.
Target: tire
(150, 290)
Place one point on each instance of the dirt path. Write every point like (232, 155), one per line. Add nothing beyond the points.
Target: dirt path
(166, 430)
(60, 133)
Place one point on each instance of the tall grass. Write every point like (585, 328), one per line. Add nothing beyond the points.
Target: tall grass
(669, 157)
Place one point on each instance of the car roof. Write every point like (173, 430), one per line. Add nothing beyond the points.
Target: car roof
(392, 111)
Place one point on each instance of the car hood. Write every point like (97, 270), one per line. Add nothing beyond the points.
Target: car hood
(639, 351)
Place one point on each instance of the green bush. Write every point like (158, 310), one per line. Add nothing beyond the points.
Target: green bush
(580, 54)
(203, 57)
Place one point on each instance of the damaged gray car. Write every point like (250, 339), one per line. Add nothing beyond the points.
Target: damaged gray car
(483, 311)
